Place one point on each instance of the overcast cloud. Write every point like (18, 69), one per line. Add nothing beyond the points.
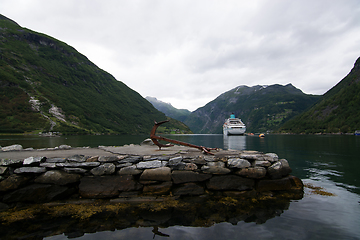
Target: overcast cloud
(189, 52)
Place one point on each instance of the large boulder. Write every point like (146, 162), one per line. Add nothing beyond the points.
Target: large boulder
(15, 147)
(130, 170)
(106, 186)
(253, 172)
(279, 169)
(33, 160)
(37, 193)
(103, 169)
(230, 182)
(188, 176)
(238, 163)
(157, 174)
(215, 168)
(274, 184)
(57, 177)
(158, 189)
(13, 182)
(188, 189)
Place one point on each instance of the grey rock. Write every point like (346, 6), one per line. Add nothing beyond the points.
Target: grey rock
(191, 189)
(147, 142)
(179, 166)
(37, 193)
(254, 172)
(64, 147)
(3, 170)
(188, 176)
(271, 157)
(215, 168)
(78, 165)
(30, 170)
(33, 160)
(28, 149)
(76, 158)
(164, 158)
(122, 165)
(209, 158)
(131, 170)
(106, 186)
(175, 161)
(238, 163)
(252, 156)
(108, 159)
(230, 182)
(134, 160)
(48, 165)
(103, 169)
(198, 160)
(15, 147)
(57, 177)
(75, 170)
(14, 181)
(157, 174)
(279, 169)
(55, 160)
(150, 164)
(10, 162)
(261, 163)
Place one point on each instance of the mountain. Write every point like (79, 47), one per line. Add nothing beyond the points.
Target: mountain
(168, 109)
(46, 85)
(261, 108)
(337, 111)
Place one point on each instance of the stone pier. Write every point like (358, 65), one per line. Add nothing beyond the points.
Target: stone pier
(139, 173)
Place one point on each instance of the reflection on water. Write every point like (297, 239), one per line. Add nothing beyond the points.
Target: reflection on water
(234, 142)
(205, 211)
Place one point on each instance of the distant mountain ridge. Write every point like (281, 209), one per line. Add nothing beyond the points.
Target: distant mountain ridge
(336, 112)
(46, 85)
(261, 108)
(168, 109)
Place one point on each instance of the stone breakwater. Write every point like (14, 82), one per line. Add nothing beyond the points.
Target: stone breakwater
(121, 177)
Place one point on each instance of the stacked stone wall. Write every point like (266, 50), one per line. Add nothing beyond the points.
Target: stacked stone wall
(240, 174)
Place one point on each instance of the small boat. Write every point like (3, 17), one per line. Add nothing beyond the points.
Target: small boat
(234, 126)
(261, 135)
(357, 133)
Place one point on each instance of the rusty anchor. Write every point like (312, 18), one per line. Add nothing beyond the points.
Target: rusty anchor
(155, 139)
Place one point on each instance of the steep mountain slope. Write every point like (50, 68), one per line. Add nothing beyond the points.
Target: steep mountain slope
(261, 108)
(338, 110)
(168, 109)
(46, 85)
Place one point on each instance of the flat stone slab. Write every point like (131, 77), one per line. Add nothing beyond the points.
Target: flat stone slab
(101, 151)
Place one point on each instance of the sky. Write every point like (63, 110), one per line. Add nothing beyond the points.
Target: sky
(188, 52)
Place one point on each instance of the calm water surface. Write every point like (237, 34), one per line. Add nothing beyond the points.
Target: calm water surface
(330, 162)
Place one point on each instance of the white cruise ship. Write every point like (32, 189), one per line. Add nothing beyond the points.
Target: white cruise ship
(234, 126)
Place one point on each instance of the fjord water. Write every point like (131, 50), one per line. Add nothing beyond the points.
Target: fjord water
(331, 162)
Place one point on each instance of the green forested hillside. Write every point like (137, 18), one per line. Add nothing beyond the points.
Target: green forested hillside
(338, 110)
(46, 85)
(261, 108)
